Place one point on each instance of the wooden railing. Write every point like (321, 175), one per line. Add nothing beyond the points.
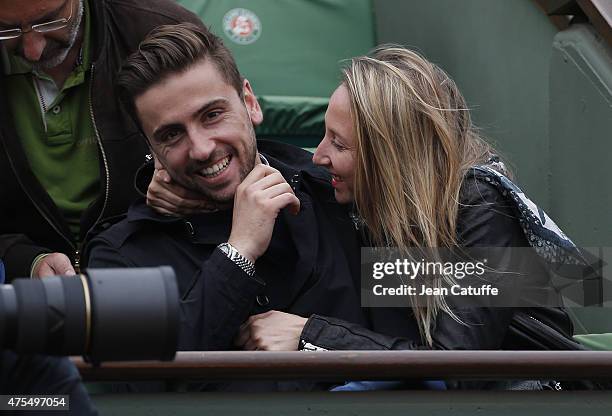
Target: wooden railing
(360, 365)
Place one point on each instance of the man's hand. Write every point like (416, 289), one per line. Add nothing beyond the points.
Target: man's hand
(51, 265)
(167, 197)
(271, 331)
(258, 200)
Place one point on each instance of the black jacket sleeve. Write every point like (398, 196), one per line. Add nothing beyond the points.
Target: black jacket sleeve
(219, 299)
(18, 252)
(327, 333)
(485, 220)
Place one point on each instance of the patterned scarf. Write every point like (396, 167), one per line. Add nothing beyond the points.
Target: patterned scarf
(549, 242)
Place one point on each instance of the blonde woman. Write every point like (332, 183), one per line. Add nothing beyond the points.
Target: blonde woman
(401, 147)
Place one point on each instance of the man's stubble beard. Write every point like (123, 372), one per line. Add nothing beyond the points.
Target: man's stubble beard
(57, 49)
(226, 202)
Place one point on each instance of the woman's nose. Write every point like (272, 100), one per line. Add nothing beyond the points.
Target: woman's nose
(319, 157)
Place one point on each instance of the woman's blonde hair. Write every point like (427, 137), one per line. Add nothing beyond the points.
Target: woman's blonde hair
(414, 143)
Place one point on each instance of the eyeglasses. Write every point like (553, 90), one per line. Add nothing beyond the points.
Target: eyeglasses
(39, 27)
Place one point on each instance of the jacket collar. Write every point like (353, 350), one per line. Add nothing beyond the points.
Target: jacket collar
(291, 160)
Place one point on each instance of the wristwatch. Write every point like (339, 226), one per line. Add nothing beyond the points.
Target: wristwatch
(234, 255)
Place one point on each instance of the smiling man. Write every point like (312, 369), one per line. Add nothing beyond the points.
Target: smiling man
(270, 237)
(207, 142)
(65, 148)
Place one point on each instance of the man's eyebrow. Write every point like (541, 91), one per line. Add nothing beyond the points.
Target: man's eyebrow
(213, 103)
(206, 107)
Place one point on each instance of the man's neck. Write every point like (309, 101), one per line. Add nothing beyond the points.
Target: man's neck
(61, 72)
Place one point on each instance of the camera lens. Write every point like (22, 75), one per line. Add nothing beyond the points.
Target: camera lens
(135, 320)
(107, 314)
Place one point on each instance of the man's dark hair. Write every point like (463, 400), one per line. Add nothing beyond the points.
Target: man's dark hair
(168, 50)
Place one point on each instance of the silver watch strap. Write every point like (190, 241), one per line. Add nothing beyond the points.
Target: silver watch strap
(234, 255)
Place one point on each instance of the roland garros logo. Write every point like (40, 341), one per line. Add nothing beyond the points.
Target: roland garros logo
(242, 26)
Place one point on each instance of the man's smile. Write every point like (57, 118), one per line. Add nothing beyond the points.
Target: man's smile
(216, 168)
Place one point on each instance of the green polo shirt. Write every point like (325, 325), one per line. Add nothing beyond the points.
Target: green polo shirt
(60, 143)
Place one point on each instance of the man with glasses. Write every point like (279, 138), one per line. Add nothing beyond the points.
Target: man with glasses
(67, 153)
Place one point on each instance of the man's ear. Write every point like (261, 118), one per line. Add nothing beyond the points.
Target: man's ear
(251, 103)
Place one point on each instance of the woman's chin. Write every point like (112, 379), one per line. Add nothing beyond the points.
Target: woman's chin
(343, 196)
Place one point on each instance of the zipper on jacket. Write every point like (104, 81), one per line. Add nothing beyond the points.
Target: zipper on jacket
(76, 261)
(104, 160)
(546, 332)
(40, 102)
